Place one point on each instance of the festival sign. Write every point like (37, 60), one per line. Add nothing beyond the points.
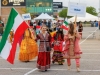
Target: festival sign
(26, 16)
(76, 9)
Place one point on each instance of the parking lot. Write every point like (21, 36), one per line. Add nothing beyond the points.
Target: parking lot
(90, 61)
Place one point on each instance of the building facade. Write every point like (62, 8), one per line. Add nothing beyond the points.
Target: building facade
(6, 6)
(39, 6)
(25, 6)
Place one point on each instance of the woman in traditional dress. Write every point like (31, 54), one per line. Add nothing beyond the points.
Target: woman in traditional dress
(72, 49)
(43, 61)
(29, 47)
(57, 54)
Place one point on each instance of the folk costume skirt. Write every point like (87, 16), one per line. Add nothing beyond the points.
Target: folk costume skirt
(28, 50)
(43, 61)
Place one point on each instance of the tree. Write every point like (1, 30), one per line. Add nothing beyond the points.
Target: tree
(63, 13)
(91, 10)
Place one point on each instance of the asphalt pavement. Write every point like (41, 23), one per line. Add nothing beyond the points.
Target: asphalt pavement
(90, 61)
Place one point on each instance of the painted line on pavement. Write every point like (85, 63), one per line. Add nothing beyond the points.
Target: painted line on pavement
(89, 60)
(18, 59)
(90, 53)
(90, 43)
(49, 69)
(75, 70)
(88, 36)
(91, 49)
(31, 71)
(14, 68)
(80, 59)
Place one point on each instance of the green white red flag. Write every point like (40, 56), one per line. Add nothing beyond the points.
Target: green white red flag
(18, 25)
(65, 25)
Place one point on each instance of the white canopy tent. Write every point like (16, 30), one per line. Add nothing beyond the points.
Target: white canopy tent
(40, 16)
(48, 16)
(88, 17)
(43, 16)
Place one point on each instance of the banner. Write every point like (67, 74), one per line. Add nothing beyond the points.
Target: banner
(57, 5)
(13, 2)
(78, 9)
(26, 16)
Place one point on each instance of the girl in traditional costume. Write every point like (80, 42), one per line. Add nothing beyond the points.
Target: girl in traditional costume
(72, 49)
(29, 47)
(43, 61)
(57, 54)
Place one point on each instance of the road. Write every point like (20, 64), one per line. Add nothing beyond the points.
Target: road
(90, 61)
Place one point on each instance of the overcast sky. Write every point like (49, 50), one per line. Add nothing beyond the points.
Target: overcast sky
(94, 3)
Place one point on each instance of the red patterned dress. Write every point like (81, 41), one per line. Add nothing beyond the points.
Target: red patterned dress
(43, 61)
(57, 54)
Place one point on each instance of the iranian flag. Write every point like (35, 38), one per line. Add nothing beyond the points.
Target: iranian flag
(65, 25)
(18, 25)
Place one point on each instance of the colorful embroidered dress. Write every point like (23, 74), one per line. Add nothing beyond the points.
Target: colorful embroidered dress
(28, 48)
(72, 47)
(43, 61)
(57, 54)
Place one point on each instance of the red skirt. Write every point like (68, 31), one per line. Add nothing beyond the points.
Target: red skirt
(43, 61)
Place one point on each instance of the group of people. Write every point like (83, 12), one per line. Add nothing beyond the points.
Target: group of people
(64, 46)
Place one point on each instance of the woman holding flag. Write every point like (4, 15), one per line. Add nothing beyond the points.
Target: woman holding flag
(72, 49)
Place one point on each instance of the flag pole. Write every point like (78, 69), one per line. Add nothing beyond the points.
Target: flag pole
(75, 24)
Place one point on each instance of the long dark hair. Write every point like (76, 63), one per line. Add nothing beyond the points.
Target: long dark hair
(71, 29)
(59, 32)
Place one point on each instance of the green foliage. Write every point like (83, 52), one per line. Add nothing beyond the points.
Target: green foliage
(91, 10)
(63, 13)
